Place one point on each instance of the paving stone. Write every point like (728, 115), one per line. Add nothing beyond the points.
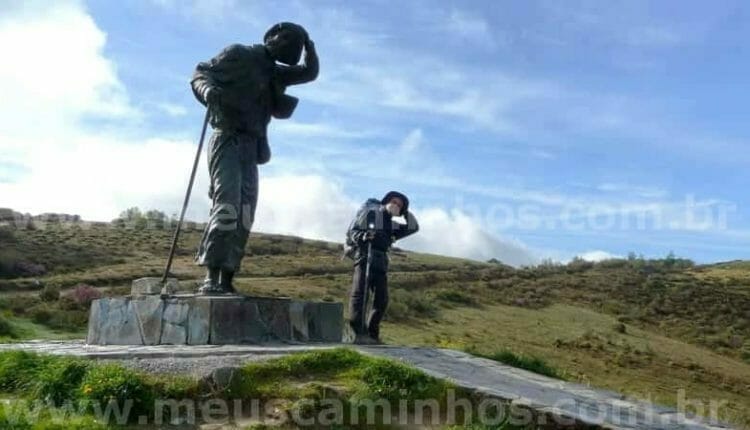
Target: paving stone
(149, 311)
(175, 321)
(119, 325)
(273, 314)
(199, 321)
(95, 318)
(237, 321)
(317, 321)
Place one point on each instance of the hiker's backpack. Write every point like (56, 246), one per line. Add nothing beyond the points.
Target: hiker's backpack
(359, 224)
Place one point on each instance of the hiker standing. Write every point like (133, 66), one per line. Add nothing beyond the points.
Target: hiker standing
(369, 238)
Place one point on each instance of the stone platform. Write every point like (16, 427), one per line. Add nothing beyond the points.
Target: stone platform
(202, 320)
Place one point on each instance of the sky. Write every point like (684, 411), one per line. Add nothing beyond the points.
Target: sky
(523, 131)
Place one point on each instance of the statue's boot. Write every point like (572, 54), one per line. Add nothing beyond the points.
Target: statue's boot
(225, 283)
(211, 283)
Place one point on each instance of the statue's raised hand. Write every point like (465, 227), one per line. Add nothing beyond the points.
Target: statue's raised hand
(213, 96)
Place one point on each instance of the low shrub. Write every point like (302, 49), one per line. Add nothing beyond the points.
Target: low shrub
(108, 383)
(26, 268)
(620, 328)
(173, 386)
(19, 370)
(59, 319)
(84, 294)
(50, 293)
(397, 311)
(456, 297)
(41, 314)
(411, 305)
(7, 328)
(26, 415)
(70, 423)
(14, 420)
(59, 381)
(18, 304)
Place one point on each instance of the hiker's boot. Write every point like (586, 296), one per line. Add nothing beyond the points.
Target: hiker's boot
(374, 336)
(225, 283)
(365, 339)
(211, 283)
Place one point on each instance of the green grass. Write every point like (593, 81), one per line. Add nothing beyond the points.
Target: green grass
(356, 375)
(59, 382)
(7, 328)
(302, 382)
(15, 415)
(532, 364)
(39, 320)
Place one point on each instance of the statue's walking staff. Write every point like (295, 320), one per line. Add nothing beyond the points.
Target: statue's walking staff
(187, 199)
(368, 267)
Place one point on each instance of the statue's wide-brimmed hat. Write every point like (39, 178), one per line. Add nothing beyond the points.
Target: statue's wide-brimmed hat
(391, 194)
(277, 28)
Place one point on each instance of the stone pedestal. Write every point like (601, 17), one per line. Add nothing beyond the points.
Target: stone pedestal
(200, 320)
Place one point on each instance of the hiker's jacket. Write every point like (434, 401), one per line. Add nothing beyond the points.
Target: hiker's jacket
(372, 216)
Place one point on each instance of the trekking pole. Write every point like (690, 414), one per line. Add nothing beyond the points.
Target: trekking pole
(370, 232)
(367, 287)
(187, 199)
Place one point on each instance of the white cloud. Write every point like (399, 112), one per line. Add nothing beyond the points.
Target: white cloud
(308, 205)
(60, 76)
(98, 176)
(56, 75)
(293, 128)
(172, 109)
(397, 82)
(598, 255)
(412, 141)
(55, 71)
(455, 234)
(469, 27)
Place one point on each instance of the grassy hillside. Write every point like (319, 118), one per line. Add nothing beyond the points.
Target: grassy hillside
(645, 327)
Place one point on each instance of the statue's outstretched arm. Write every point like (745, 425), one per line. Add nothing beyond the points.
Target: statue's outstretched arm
(300, 74)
